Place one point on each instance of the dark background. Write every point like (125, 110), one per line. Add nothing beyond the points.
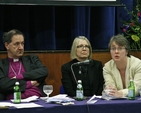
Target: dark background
(53, 27)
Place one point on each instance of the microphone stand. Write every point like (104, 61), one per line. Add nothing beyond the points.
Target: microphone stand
(73, 73)
(80, 72)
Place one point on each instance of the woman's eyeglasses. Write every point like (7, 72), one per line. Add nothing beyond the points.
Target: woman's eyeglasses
(83, 46)
(119, 48)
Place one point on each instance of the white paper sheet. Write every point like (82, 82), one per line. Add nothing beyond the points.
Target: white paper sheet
(21, 105)
(29, 99)
(62, 98)
(27, 105)
(5, 104)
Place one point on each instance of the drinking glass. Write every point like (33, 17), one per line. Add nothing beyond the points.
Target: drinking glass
(48, 89)
(107, 88)
(139, 93)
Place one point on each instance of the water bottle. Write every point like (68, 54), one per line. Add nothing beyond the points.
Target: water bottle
(79, 91)
(131, 90)
(17, 93)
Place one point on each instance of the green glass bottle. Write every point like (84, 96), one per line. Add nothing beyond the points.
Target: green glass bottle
(79, 91)
(131, 90)
(17, 93)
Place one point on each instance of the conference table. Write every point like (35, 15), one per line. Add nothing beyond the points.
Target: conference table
(100, 106)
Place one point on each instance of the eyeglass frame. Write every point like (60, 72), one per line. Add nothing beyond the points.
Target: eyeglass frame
(83, 46)
(119, 48)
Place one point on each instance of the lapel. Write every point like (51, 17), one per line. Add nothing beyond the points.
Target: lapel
(6, 66)
(91, 72)
(128, 72)
(26, 63)
(117, 77)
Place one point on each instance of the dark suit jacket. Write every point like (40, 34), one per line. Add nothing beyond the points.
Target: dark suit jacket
(35, 70)
(95, 77)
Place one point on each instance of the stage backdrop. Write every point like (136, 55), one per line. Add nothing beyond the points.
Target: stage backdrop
(55, 27)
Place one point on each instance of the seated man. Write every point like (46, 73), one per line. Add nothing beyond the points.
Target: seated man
(28, 70)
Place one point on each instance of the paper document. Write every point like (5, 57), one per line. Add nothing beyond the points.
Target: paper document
(21, 105)
(29, 99)
(5, 104)
(26, 105)
(60, 98)
(91, 100)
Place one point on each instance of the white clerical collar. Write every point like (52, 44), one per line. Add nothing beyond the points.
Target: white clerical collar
(15, 60)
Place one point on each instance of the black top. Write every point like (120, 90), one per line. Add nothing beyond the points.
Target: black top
(91, 75)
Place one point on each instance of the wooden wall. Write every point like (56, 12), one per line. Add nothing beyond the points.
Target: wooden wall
(54, 60)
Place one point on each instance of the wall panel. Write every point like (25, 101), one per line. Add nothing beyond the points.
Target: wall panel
(54, 60)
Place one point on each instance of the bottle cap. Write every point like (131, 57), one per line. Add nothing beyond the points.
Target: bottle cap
(79, 81)
(17, 83)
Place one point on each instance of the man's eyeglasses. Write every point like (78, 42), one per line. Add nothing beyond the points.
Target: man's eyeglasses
(119, 49)
(83, 46)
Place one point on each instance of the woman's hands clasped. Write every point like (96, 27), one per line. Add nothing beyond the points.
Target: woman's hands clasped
(111, 92)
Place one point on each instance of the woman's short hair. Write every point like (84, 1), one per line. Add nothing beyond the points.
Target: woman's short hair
(75, 44)
(121, 41)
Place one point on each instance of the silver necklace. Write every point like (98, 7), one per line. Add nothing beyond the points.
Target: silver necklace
(13, 69)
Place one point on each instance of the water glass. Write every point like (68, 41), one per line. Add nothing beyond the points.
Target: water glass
(106, 90)
(139, 93)
(48, 89)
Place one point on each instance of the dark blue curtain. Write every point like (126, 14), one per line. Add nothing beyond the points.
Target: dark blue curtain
(55, 27)
(103, 26)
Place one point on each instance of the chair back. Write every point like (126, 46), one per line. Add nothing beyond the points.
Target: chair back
(62, 91)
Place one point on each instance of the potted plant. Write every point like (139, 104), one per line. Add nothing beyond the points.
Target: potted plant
(131, 28)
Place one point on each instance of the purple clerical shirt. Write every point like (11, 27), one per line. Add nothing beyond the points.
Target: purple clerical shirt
(17, 69)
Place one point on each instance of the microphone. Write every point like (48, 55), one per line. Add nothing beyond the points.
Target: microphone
(78, 63)
(83, 62)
